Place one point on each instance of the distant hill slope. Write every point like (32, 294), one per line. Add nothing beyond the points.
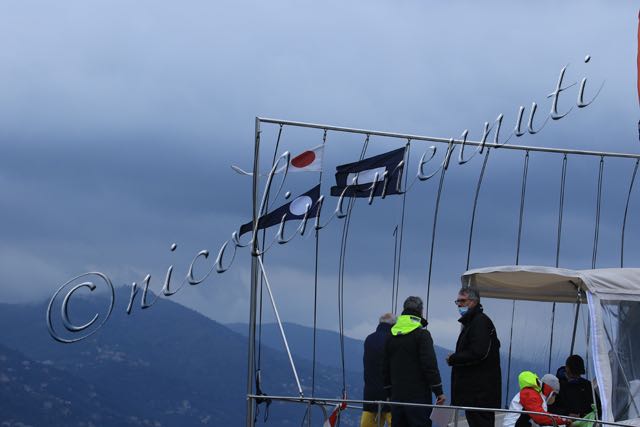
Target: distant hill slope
(37, 394)
(166, 364)
(300, 340)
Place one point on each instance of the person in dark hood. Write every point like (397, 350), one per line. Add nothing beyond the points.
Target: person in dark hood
(373, 381)
(476, 378)
(576, 396)
(410, 368)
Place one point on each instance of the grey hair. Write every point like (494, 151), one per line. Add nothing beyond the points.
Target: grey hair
(388, 318)
(471, 293)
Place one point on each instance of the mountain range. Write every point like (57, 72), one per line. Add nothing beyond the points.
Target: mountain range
(169, 366)
(163, 366)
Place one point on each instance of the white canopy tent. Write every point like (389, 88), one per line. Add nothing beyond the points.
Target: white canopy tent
(613, 296)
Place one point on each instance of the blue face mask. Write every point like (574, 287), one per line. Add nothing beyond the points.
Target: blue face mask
(463, 310)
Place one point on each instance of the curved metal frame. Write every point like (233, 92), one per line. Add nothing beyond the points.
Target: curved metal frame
(254, 263)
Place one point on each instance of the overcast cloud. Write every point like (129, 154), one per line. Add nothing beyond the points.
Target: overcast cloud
(119, 122)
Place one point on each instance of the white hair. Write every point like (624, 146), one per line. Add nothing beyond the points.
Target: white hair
(388, 318)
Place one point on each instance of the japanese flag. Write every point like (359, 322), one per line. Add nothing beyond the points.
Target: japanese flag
(307, 161)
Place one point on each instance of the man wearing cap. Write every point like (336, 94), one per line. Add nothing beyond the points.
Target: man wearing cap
(410, 367)
(373, 382)
(475, 365)
(534, 395)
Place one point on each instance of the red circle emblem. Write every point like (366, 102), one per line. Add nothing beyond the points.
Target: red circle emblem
(303, 160)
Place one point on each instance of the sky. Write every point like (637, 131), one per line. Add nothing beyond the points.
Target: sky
(119, 122)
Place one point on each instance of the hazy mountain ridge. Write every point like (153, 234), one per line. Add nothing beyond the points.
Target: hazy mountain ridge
(35, 394)
(300, 340)
(166, 365)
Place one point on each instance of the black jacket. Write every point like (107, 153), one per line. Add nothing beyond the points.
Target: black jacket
(575, 396)
(475, 373)
(373, 359)
(410, 367)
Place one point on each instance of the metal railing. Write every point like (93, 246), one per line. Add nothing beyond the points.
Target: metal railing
(380, 403)
(454, 141)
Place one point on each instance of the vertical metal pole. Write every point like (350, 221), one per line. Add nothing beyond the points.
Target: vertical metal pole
(251, 407)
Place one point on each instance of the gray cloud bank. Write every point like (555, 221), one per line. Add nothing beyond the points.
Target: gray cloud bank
(119, 122)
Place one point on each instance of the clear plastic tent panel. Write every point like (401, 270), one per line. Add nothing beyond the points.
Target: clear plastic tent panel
(621, 321)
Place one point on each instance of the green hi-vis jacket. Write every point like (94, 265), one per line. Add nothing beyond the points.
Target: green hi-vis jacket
(405, 324)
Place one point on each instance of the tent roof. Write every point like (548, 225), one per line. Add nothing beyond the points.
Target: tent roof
(537, 283)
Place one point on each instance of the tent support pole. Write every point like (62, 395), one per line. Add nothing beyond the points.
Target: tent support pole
(575, 327)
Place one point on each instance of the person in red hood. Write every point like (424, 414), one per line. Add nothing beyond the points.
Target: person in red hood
(534, 395)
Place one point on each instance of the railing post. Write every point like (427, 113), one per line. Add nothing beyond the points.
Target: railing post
(379, 417)
(455, 417)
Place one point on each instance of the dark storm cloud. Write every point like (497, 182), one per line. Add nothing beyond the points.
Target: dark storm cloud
(119, 122)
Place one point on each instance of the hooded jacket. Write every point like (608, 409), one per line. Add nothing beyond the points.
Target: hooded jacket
(475, 373)
(576, 396)
(372, 360)
(533, 396)
(410, 367)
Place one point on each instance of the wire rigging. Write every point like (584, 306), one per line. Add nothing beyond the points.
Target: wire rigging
(343, 250)
(258, 372)
(563, 179)
(394, 294)
(396, 275)
(435, 223)
(523, 192)
(596, 232)
(264, 232)
(307, 415)
(315, 292)
(475, 204)
(626, 210)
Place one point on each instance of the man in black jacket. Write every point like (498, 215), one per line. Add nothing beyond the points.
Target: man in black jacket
(373, 381)
(410, 368)
(475, 373)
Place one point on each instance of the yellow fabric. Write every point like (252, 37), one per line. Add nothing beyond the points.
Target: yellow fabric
(529, 379)
(405, 324)
(370, 419)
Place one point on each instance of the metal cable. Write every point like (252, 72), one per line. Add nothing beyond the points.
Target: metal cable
(626, 209)
(523, 192)
(307, 415)
(563, 179)
(394, 294)
(404, 200)
(343, 249)
(433, 234)
(475, 205)
(596, 232)
(315, 293)
(264, 231)
(284, 337)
